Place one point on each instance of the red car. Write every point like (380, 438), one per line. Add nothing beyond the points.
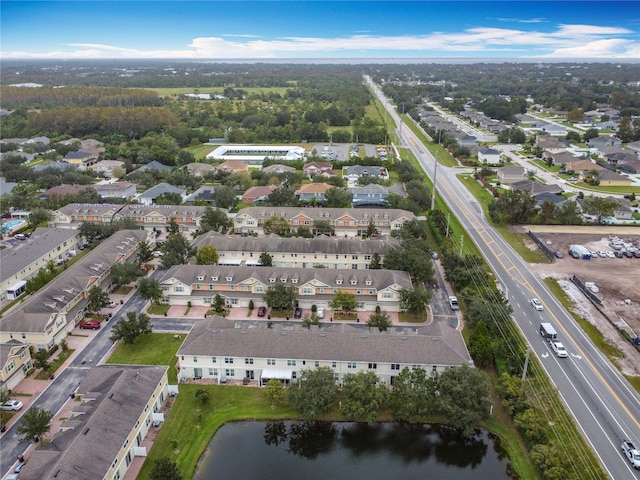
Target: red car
(89, 325)
(262, 311)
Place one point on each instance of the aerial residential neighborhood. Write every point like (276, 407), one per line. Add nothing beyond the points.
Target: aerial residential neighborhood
(188, 245)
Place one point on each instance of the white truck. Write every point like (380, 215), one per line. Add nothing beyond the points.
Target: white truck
(632, 453)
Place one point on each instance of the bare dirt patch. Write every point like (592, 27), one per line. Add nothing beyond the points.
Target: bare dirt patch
(617, 281)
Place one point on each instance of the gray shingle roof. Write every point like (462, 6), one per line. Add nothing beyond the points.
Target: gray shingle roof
(380, 279)
(275, 244)
(89, 441)
(35, 313)
(42, 241)
(159, 189)
(435, 344)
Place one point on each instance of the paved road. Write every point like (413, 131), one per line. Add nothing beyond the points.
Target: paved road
(602, 402)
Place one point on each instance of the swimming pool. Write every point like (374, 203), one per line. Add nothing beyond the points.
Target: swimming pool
(12, 224)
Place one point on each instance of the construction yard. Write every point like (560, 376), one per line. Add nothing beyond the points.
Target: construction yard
(617, 280)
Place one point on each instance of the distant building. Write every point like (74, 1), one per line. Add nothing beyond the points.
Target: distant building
(121, 189)
(149, 197)
(256, 154)
(489, 156)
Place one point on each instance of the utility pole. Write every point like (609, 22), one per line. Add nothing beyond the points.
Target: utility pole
(526, 365)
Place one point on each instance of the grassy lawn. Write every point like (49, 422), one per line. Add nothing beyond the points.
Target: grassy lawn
(201, 151)
(618, 190)
(54, 364)
(152, 349)
(192, 425)
(404, 317)
(122, 290)
(155, 309)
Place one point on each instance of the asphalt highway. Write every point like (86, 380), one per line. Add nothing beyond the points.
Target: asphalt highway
(603, 404)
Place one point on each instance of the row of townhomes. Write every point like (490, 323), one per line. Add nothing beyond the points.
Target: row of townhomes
(118, 405)
(345, 222)
(45, 318)
(153, 217)
(199, 285)
(23, 260)
(294, 252)
(235, 352)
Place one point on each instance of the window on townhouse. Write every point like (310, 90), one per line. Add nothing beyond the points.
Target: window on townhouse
(230, 372)
(352, 365)
(291, 363)
(248, 361)
(271, 362)
(214, 360)
(228, 360)
(373, 366)
(395, 366)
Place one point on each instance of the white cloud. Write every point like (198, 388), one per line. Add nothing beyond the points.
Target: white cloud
(579, 41)
(609, 48)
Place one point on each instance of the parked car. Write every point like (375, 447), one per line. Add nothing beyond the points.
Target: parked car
(537, 304)
(611, 255)
(89, 325)
(20, 236)
(19, 467)
(11, 405)
(618, 254)
(262, 311)
(558, 254)
(320, 312)
(112, 304)
(297, 313)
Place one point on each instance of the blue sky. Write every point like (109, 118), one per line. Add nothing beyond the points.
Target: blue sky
(328, 29)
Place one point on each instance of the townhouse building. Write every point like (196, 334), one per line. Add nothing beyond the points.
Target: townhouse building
(152, 217)
(198, 285)
(15, 362)
(231, 352)
(118, 405)
(294, 252)
(45, 318)
(345, 222)
(22, 261)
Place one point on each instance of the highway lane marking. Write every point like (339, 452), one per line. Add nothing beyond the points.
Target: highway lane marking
(463, 209)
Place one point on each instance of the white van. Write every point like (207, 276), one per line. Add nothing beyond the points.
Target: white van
(548, 332)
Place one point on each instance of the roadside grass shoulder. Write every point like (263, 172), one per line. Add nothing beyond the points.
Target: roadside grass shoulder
(516, 240)
(611, 352)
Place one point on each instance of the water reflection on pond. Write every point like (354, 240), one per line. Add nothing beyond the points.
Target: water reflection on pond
(323, 450)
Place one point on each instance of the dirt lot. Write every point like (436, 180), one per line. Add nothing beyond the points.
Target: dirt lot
(617, 280)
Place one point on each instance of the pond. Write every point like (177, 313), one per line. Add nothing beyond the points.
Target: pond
(325, 450)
